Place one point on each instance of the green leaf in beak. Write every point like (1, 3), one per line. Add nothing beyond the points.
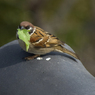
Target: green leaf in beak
(24, 36)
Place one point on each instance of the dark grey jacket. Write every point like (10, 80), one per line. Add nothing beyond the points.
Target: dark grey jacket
(54, 74)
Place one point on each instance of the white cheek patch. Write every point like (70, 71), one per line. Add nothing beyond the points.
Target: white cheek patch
(33, 31)
(30, 28)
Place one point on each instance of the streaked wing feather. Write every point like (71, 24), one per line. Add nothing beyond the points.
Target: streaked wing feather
(48, 41)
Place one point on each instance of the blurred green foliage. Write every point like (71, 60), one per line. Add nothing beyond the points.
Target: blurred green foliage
(11, 13)
(72, 21)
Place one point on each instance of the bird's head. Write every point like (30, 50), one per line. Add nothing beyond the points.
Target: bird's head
(24, 32)
(26, 25)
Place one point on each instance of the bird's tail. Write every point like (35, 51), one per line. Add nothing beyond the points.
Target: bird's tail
(64, 50)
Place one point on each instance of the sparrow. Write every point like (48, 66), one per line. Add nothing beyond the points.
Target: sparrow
(42, 42)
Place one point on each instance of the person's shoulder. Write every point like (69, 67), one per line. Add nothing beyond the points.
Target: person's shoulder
(51, 74)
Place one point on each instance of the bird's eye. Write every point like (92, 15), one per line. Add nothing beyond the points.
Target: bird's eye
(27, 27)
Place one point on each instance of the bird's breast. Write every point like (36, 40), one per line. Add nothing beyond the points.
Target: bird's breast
(34, 50)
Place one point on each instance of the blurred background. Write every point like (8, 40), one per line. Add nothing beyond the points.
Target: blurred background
(72, 21)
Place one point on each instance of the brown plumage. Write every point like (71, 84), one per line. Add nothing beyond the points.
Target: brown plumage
(42, 42)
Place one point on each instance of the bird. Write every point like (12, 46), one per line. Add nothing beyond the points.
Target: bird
(42, 42)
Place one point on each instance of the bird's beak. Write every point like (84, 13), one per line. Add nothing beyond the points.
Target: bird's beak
(17, 36)
(22, 27)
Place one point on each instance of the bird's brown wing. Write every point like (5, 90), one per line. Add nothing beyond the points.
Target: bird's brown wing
(42, 39)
